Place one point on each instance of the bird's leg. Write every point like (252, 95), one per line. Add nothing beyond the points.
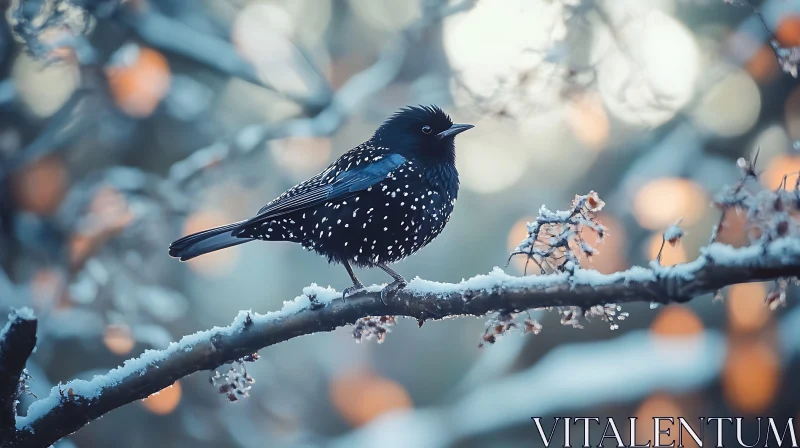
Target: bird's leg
(398, 283)
(357, 285)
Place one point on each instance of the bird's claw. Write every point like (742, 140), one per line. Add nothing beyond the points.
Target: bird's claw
(352, 290)
(392, 288)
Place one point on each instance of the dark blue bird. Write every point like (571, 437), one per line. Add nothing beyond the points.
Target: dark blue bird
(377, 204)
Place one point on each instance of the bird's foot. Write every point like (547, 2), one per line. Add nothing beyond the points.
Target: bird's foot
(392, 288)
(352, 290)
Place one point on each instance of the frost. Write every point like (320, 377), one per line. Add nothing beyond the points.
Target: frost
(497, 326)
(236, 382)
(556, 239)
(674, 233)
(377, 327)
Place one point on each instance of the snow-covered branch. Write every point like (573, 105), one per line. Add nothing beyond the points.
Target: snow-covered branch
(72, 405)
(17, 341)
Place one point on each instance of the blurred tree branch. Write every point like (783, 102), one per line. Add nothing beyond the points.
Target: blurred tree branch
(359, 88)
(72, 405)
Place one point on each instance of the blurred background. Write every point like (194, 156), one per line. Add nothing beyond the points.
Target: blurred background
(126, 124)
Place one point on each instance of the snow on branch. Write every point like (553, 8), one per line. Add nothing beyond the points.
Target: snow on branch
(17, 341)
(72, 405)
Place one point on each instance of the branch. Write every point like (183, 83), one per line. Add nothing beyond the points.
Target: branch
(174, 36)
(17, 341)
(358, 89)
(72, 405)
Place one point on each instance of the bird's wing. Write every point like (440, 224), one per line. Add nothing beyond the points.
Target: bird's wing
(328, 186)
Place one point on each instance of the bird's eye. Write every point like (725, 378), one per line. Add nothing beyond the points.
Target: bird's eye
(426, 129)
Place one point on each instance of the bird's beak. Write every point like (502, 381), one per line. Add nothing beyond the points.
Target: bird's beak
(454, 130)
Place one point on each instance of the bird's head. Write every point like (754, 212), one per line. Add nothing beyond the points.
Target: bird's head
(424, 131)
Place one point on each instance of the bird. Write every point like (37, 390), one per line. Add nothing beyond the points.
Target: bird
(377, 204)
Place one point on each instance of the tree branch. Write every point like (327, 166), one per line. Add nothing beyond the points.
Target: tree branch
(72, 405)
(17, 341)
(358, 89)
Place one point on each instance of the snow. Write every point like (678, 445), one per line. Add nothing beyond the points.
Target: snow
(22, 313)
(673, 232)
(499, 279)
(25, 313)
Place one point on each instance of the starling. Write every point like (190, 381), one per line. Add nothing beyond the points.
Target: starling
(377, 204)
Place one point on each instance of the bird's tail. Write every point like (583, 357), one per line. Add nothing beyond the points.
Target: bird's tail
(207, 241)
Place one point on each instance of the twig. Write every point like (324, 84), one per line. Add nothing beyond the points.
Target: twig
(17, 341)
(71, 406)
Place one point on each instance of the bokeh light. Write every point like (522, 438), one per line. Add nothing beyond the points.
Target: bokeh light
(485, 47)
(40, 186)
(647, 70)
(670, 255)
(746, 309)
(490, 162)
(588, 120)
(788, 31)
(663, 201)
(770, 142)
(361, 396)
(46, 287)
(780, 166)
(761, 65)
(138, 78)
(386, 15)
(661, 406)
(676, 321)
(43, 88)
(731, 107)
(118, 339)
(751, 376)
(165, 401)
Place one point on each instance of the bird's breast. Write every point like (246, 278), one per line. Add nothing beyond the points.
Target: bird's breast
(387, 221)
